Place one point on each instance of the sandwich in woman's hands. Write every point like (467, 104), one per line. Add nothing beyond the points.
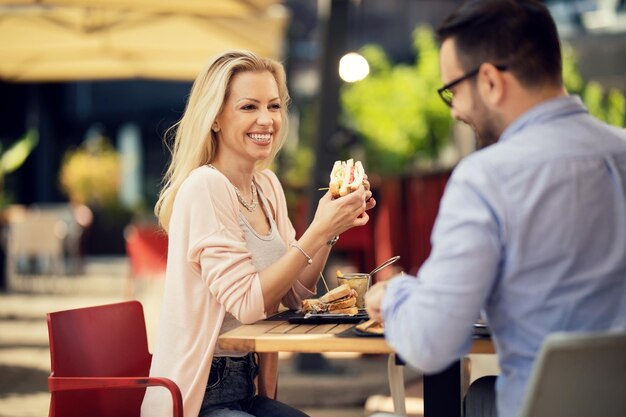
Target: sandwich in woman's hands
(346, 177)
(339, 300)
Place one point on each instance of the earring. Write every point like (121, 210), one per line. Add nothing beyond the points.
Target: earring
(215, 129)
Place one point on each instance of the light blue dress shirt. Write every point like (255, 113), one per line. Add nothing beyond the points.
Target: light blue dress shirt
(530, 230)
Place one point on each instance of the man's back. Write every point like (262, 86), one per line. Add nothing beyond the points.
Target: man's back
(556, 185)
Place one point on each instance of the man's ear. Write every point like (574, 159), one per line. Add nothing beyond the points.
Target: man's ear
(491, 84)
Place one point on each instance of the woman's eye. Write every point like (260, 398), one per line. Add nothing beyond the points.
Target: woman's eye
(275, 106)
(248, 107)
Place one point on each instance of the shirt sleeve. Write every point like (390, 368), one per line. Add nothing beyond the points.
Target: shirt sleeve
(429, 319)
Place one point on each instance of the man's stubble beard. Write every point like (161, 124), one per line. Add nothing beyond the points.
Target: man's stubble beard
(486, 125)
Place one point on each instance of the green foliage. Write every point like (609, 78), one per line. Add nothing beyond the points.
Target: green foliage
(615, 108)
(609, 106)
(297, 166)
(14, 157)
(396, 109)
(571, 76)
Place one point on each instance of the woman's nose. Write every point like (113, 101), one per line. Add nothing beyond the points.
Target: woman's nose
(265, 118)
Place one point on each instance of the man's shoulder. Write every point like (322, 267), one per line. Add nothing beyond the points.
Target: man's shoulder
(482, 160)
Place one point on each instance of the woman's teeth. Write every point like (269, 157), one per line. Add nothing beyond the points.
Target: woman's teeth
(260, 138)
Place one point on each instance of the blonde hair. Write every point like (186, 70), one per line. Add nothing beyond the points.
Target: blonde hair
(194, 141)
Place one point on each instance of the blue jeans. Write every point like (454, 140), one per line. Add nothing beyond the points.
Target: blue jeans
(230, 392)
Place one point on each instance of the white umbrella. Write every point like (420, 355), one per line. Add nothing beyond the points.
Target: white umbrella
(59, 40)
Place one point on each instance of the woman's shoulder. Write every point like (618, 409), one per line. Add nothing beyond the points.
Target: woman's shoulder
(204, 179)
(204, 176)
(268, 177)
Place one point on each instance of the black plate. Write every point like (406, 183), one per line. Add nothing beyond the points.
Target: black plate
(480, 331)
(301, 318)
(361, 333)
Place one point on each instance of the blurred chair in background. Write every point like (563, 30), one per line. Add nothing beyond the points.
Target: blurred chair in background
(43, 241)
(100, 362)
(146, 247)
(77, 218)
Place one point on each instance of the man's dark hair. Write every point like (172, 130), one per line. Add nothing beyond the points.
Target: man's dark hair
(517, 33)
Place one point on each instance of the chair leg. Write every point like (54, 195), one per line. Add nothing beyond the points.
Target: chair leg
(395, 374)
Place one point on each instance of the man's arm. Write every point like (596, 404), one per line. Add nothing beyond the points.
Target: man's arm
(428, 320)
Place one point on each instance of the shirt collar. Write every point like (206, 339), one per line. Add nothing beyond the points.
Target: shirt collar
(549, 109)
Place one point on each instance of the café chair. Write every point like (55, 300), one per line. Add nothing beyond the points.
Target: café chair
(578, 374)
(146, 248)
(29, 258)
(100, 362)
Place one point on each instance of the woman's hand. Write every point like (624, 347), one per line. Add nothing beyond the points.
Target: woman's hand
(335, 216)
(370, 202)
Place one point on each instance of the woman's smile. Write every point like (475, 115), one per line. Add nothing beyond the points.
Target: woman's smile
(261, 138)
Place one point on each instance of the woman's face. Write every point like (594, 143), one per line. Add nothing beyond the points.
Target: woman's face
(250, 118)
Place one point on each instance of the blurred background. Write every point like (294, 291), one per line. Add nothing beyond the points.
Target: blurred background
(88, 89)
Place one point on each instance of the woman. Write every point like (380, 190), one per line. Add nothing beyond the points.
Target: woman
(233, 257)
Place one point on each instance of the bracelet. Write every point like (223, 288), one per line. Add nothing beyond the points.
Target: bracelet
(333, 240)
(308, 258)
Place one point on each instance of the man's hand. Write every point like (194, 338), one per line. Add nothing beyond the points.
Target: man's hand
(373, 299)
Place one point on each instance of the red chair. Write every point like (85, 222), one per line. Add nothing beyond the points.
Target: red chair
(100, 362)
(146, 247)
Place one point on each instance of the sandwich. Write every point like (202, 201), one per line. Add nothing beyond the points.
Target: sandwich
(339, 300)
(345, 177)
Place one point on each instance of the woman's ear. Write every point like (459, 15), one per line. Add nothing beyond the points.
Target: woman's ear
(215, 127)
(491, 84)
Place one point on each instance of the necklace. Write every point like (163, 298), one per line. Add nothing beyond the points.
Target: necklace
(251, 206)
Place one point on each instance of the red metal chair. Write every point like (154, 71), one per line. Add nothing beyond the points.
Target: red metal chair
(100, 362)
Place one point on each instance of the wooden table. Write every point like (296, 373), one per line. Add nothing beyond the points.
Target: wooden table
(281, 336)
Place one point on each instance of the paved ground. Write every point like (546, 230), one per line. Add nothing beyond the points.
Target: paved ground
(356, 387)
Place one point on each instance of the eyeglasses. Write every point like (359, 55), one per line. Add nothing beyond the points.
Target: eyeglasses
(446, 93)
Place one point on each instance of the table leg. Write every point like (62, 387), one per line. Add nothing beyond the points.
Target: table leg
(442, 392)
(396, 385)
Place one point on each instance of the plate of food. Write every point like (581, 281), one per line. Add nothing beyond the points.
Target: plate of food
(336, 306)
(370, 327)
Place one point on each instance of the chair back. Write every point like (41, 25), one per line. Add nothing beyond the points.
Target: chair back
(146, 247)
(108, 340)
(578, 375)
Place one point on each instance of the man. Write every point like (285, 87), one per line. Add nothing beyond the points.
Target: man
(532, 227)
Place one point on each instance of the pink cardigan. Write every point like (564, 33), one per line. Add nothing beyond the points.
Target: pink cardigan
(210, 272)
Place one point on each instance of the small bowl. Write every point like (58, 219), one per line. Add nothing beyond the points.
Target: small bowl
(358, 281)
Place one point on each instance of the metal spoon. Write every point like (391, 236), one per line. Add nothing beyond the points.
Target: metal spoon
(385, 264)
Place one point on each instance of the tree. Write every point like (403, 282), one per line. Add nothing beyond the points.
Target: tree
(396, 109)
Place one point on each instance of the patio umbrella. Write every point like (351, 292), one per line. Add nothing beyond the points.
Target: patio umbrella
(62, 40)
